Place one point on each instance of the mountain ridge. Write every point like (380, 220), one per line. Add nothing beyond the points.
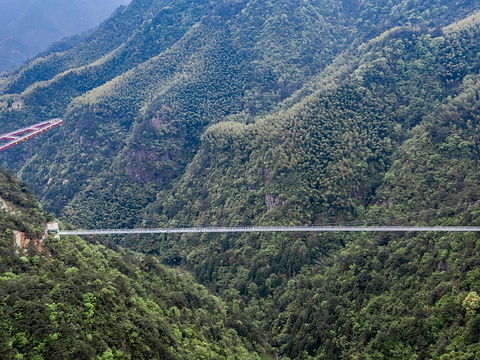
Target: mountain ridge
(32, 26)
(250, 114)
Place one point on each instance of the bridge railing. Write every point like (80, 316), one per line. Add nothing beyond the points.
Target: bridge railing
(18, 136)
(273, 229)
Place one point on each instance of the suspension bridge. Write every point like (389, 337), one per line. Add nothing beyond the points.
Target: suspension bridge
(16, 137)
(248, 229)
(13, 138)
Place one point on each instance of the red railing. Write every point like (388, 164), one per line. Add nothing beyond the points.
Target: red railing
(18, 136)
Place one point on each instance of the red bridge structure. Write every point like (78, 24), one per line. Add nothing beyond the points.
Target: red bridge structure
(16, 137)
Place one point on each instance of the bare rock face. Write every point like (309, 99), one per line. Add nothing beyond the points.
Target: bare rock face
(8, 208)
(272, 202)
(267, 176)
(22, 242)
(4, 206)
(443, 265)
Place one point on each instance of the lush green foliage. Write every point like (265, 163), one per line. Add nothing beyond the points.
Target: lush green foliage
(260, 112)
(77, 300)
(397, 137)
(170, 69)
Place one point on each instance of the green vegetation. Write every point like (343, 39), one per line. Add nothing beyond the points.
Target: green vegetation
(78, 300)
(239, 113)
(171, 69)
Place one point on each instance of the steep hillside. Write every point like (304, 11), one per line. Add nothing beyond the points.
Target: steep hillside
(138, 93)
(395, 143)
(169, 72)
(75, 300)
(254, 112)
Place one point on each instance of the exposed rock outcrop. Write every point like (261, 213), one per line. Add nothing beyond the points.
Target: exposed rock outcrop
(22, 242)
(272, 202)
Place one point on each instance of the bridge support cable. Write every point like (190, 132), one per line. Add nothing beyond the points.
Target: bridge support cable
(244, 229)
(18, 136)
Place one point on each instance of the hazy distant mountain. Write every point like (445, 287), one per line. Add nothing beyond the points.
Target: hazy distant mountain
(28, 26)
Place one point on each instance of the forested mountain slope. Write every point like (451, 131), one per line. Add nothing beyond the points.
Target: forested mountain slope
(76, 300)
(398, 143)
(254, 112)
(138, 93)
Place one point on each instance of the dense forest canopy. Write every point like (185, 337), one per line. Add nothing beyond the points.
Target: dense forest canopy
(69, 299)
(181, 113)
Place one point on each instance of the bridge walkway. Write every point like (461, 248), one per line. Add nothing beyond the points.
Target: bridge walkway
(245, 229)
